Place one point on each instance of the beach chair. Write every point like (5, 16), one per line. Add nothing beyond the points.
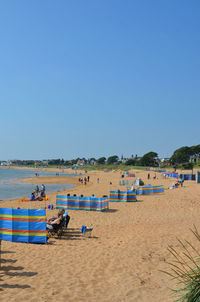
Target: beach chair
(86, 231)
(58, 229)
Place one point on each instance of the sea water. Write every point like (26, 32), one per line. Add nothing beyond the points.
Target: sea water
(11, 188)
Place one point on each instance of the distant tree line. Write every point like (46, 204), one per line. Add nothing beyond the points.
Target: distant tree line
(185, 157)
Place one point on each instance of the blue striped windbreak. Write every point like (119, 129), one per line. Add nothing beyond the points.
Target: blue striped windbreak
(82, 203)
(126, 196)
(23, 225)
(188, 176)
(171, 174)
(149, 190)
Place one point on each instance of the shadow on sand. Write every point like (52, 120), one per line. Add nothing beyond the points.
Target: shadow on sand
(12, 271)
(70, 234)
(110, 211)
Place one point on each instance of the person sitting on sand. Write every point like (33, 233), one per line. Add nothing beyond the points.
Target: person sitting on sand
(181, 181)
(32, 196)
(54, 221)
(60, 212)
(176, 184)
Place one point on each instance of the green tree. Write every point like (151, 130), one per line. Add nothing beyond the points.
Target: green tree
(130, 162)
(195, 150)
(54, 162)
(149, 159)
(112, 159)
(74, 161)
(181, 155)
(67, 163)
(91, 160)
(101, 161)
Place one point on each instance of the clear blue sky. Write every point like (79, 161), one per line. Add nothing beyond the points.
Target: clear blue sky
(98, 78)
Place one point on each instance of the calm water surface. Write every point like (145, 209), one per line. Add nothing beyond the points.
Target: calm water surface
(11, 190)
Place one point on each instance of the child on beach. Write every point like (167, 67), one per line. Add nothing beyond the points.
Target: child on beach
(32, 196)
(181, 181)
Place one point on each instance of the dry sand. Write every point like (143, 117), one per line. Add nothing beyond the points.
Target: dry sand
(120, 262)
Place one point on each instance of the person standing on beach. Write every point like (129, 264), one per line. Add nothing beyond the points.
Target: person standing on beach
(88, 178)
(148, 176)
(37, 190)
(43, 187)
(42, 192)
(98, 180)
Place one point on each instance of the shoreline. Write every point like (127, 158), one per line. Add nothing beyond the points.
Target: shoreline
(56, 170)
(52, 180)
(73, 180)
(62, 179)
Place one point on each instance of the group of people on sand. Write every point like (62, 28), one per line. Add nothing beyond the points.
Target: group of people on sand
(149, 176)
(178, 183)
(84, 180)
(38, 194)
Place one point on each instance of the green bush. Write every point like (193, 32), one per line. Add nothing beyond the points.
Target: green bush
(185, 269)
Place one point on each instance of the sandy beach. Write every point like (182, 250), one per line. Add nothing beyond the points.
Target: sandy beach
(123, 259)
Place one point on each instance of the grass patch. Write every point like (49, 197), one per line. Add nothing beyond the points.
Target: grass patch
(185, 269)
(110, 167)
(122, 167)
